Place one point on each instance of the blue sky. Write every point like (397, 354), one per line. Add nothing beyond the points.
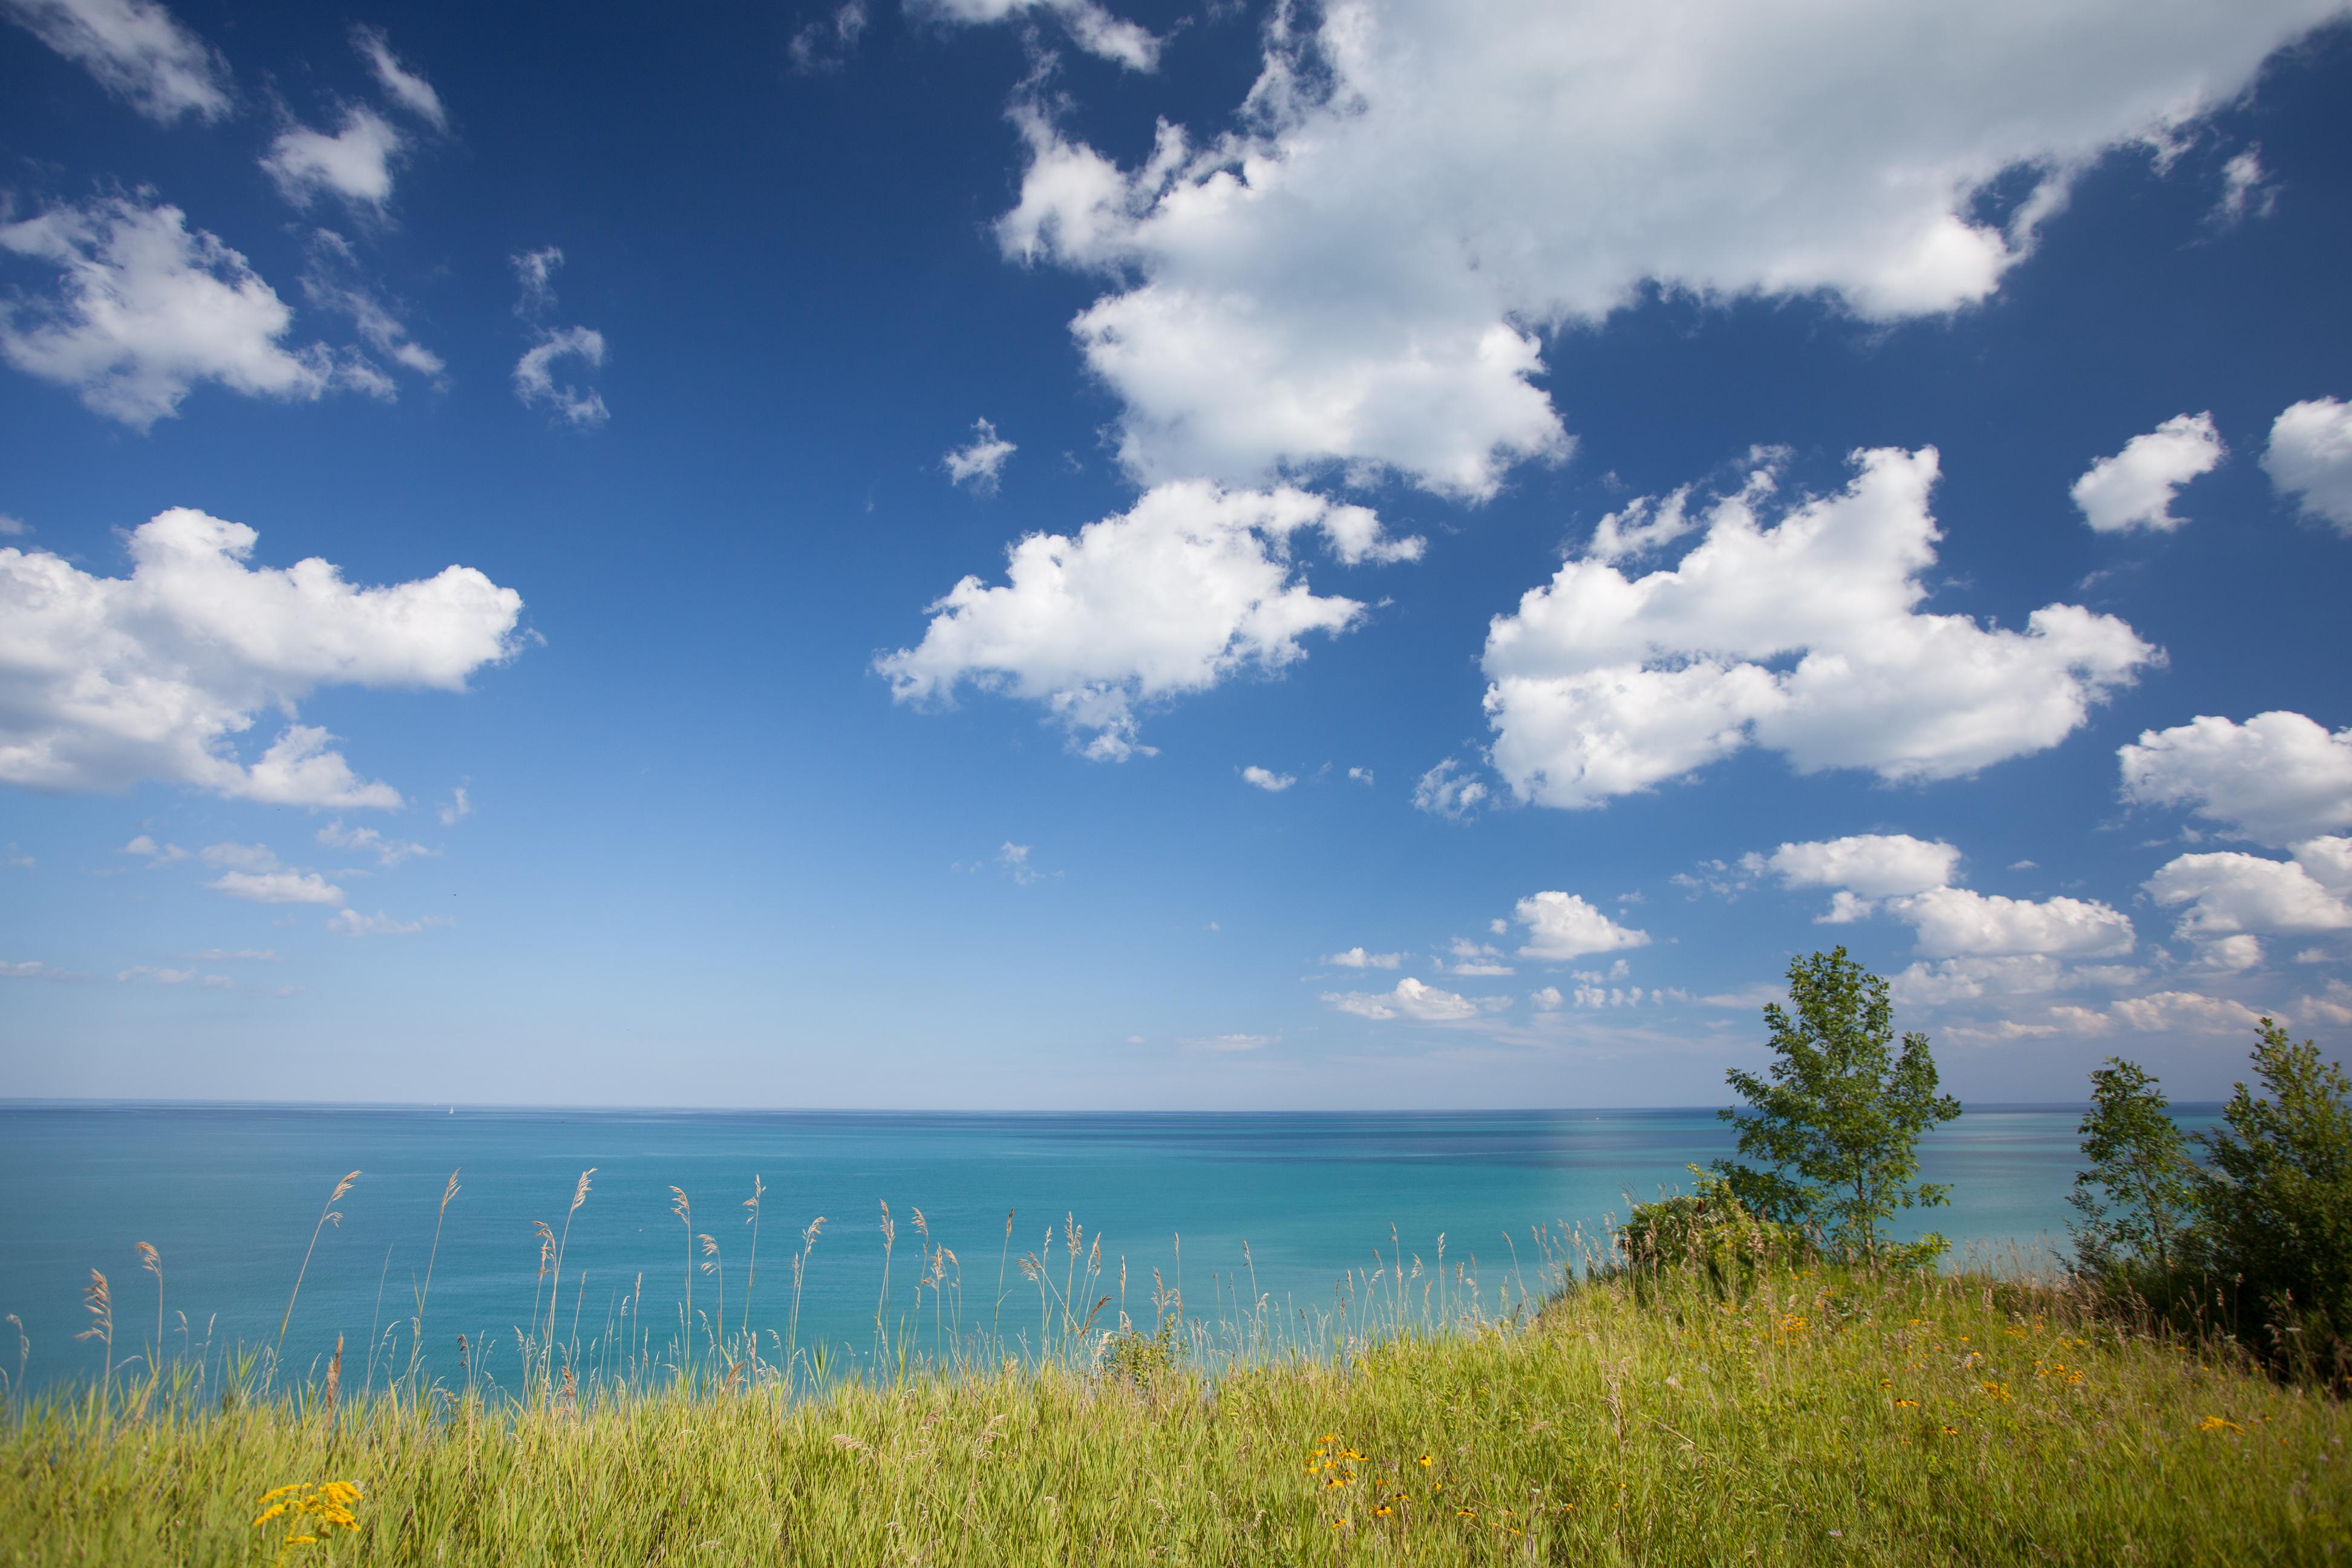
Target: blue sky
(973, 553)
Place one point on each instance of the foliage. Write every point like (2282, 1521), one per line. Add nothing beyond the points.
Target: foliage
(1708, 1231)
(1838, 1116)
(1823, 1417)
(2137, 1196)
(1132, 1356)
(2276, 1201)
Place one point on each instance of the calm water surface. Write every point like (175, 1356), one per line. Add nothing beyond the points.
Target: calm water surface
(229, 1195)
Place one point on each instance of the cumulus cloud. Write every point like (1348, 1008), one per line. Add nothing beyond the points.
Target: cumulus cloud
(1955, 921)
(107, 682)
(2310, 459)
(1870, 865)
(350, 922)
(1357, 958)
(355, 163)
(1355, 279)
(534, 376)
(1267, 780)
(156, 854)
(284, 886)
(1805, 636)
(32, 969)
(1562, 926)
(1192, 586)
(456, 808)
(402, 85)
(2135, 487)
(1090, 27)
(2276, 778)
(145, 310)
(137, 50)
(1412, 999)
(1449, 790)
(2184, 1013)
(1014, 860)
(370, 841)
(2229, 894)
(978, 462)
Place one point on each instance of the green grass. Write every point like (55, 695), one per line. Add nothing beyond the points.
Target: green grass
(1821, 1418)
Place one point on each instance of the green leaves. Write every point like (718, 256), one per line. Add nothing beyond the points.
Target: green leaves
(2137, 1196)
(1837, 1116)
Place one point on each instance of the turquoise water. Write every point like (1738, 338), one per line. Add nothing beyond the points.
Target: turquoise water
(229, 1195)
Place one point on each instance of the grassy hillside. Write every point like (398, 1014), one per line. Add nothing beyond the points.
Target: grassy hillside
(1821, 1418)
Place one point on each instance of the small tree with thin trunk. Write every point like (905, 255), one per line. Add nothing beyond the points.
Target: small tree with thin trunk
(1837, 1117)
(2138, 1194)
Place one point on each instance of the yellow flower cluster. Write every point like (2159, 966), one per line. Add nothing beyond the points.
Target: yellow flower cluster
(313, 1510)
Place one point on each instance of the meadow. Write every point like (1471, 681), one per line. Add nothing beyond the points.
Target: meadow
(1796, 1414)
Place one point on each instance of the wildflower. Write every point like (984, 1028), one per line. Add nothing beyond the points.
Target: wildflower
(1383, 1511)
(2215, 1423)
(1424, 1460)
(1465, 1513)
(1996, 1390)
(1951, 1431)
(1906, 1405)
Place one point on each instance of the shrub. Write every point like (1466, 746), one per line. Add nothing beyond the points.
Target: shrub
(2275, 1206)
(1709, 1232)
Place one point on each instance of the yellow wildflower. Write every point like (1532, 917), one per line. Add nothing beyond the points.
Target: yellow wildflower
(2215, 1423)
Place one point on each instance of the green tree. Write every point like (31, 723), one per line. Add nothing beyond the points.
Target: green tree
(2275, 1197)
(1838, 1115)
(2140, 1189)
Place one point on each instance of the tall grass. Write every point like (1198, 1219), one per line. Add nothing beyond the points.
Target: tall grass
(1815, 1416)
(1569, 1408)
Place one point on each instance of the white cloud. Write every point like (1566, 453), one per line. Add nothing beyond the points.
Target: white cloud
(2230, 893)
(1272, 782)
(403, 86)
(1447, 790)
(1192, 586)
(136, 50)
(2276, 778)
(1360, 775)
(355, 163)
(1357, 277)
(284, 886)
(1226, 1045)
(2184, 1013)
(2135, 488)
(1872, 865)
(2328, 862)
(535, 270)
(350, 922)
(1015, 859)
(978, 462)
(16, 527)
(1563, 926)
(1357, 958)
(1475, 958)
(105, 682)
(1602, 685)
(1412, 999)
(369, 841)
(456, 809)
(1546, 1000)
(146, 309)
(244, 954)
(31, 969)
(154, 976)
(2245, 191)
(1958, 922)
(159, 854)
(2310, 458)
(826, 44)
(332, 280)
(1090, 27)
(534, 376)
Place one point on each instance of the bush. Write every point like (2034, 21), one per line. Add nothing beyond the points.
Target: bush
(1709, 1232)
(2274, 1204)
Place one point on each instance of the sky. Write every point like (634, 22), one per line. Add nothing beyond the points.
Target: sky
(1046, 554)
